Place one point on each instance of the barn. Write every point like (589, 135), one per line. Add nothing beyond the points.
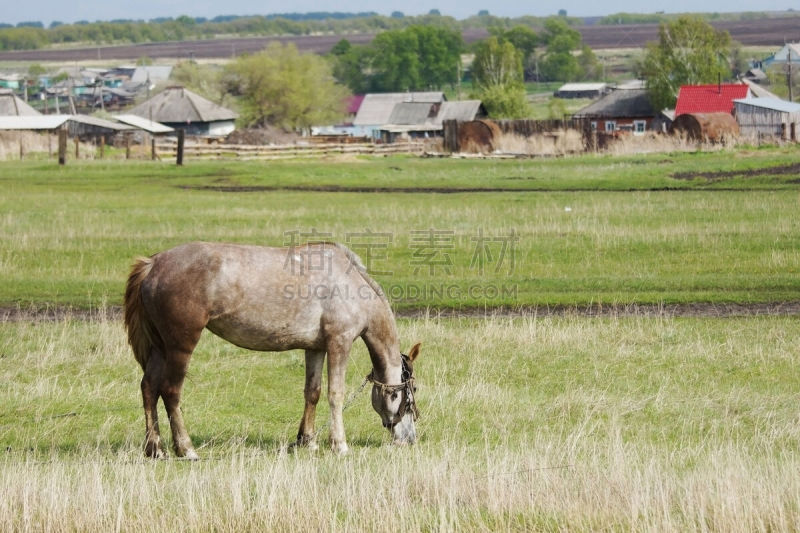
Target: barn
(768, 117)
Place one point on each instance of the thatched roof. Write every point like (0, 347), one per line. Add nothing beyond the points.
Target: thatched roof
(179, 105)
(620, 103)
(11, 105)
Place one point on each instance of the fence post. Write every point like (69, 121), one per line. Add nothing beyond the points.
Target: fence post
(62, 146)
(127, 146)
(181, 138)
(102, 146)
(77, 147)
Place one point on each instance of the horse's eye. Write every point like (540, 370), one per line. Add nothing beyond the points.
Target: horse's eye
(415, 388)
(394, 396)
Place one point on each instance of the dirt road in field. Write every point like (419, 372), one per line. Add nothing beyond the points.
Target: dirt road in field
(763, 32)
(695, 310)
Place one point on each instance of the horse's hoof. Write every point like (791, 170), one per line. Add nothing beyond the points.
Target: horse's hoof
(154, 452)
(340, 449)
(191, 455)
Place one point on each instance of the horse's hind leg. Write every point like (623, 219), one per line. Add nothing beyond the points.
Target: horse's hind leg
(153, 447)
(306, 436)
(171, 387)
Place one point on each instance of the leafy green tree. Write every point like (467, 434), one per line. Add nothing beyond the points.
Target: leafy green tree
(350, 64)
(524, 40)
(498, 78)
(689, 51)
(417, 57)
(283, 87)
(559, 63)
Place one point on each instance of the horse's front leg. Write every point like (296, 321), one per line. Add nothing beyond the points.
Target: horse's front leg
(306, 436)
(338, 352)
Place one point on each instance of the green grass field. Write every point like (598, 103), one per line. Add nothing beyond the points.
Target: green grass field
(533, 423)
(571, 232)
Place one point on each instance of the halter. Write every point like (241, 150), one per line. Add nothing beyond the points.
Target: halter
(407, 386)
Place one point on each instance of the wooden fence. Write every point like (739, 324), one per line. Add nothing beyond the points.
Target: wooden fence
(169, 149)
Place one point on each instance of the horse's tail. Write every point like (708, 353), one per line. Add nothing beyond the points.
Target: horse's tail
(141, 333)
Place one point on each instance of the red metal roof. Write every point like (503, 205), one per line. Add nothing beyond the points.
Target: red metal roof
(714, 98)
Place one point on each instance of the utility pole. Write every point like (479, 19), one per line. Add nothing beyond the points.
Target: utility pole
(789, 72)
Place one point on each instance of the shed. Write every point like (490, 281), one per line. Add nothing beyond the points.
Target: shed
(180, 108)
(581, 90)
(12, 105)
(713, 127)
(771, 117)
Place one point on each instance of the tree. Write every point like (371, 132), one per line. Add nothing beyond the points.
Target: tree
(283, 87)
(559, 63)
(417, 57)
(349, 64)
(524, 40)
(688, 51)
(497, 75)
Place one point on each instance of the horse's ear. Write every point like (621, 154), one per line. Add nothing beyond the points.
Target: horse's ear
(413, 352)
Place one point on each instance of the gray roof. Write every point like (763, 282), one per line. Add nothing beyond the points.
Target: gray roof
(51, 122)
(377, 108)
(619, 103)
(177, 104)
(143, 124)
(774, 104)
(757, 90)
(11, 105)
(153, 73)
(463, 110)
(413, 113)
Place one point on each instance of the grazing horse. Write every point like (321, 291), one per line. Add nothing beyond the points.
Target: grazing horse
(316, 297)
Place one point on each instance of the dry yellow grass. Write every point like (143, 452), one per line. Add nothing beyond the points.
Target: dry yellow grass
(552, 424)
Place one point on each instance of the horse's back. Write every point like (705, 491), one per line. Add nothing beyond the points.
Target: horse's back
(259, 297)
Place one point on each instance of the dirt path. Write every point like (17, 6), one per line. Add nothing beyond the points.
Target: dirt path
(694, 310)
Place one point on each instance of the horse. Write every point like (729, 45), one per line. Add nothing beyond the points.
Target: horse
(316, 297)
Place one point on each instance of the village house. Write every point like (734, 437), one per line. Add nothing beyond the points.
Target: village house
(622, 110)
(180, 108)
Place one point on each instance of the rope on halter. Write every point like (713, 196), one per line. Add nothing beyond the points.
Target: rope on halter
(406, 386)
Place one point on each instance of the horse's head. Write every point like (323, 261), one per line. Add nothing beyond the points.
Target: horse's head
(395, 403)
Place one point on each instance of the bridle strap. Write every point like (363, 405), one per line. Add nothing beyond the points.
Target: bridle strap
(406, 386)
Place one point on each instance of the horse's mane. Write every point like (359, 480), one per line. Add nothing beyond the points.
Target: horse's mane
(356, 261)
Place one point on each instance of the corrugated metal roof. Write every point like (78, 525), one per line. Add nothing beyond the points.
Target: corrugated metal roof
(143, 124)
(376, 109)
(775, 104)
(177, 104)
(711, 98)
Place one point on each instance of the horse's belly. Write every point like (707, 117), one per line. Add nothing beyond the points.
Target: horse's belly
(266, 337)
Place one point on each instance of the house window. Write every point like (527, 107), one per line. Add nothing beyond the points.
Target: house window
(594, 125)
(611, 125)
(639, 126)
